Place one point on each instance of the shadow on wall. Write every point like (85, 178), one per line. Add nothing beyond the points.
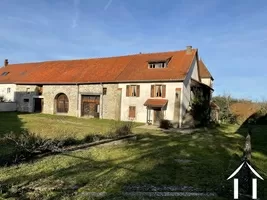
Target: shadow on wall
(25, 101)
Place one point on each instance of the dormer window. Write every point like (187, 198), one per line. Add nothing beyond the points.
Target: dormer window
(162, 63)
(4, 73)
(158, 65)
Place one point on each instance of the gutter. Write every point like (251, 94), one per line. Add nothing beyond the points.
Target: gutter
(108, 82)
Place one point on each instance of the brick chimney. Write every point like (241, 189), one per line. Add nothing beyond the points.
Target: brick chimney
(6, 62)
(188, 49)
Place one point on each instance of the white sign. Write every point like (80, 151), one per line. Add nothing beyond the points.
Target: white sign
(254, 181)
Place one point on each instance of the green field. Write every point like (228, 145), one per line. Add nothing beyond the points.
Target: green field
(202, 160)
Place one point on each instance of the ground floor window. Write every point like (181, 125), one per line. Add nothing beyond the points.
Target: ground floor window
(132, 112)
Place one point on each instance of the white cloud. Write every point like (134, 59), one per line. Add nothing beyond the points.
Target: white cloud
(108, 4)
(76, 13)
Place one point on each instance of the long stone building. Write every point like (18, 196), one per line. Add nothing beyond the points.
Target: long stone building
(141, 87)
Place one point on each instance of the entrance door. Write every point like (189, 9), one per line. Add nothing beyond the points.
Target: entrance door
(158, 115)
(90, 105)
(38, 105)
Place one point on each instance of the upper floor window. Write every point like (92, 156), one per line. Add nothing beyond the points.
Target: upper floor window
(8, 90)
(158, 91)
(158, 65)
(104, 91)
(133, 90)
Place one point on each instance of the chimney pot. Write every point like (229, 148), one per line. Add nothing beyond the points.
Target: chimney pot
(188, 49)
(6, 62)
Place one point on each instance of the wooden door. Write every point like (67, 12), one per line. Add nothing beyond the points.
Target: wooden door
(37, 105)
(90, 105)
(158, 116)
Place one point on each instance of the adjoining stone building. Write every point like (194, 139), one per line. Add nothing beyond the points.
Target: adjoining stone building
(142, 87)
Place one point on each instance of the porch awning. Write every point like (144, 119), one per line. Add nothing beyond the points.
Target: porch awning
(156, 103)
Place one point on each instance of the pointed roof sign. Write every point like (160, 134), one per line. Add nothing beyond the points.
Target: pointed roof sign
(238, 169)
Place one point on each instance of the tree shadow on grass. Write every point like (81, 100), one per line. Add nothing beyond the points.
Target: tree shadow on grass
(151, 160)
(256, 124)
(9, 123)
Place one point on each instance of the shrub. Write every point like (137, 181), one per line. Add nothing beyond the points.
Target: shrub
(70, 141)
(165, 124)
(122, 129)
(27, 145)
(2, 99)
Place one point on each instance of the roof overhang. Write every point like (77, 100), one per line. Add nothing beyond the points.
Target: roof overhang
(156, 103)
(104, 82)
(195, 82)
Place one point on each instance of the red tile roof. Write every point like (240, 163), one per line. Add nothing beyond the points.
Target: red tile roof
(203, 70)
(156, 102)
(16, 72)
(112, 69)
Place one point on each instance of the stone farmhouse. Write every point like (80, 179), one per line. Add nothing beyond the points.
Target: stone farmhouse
(141, 87)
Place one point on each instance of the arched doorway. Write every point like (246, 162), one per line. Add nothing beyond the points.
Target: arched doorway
(62, 103)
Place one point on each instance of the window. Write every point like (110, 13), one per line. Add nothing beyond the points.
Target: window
(133, 90)
(28, 90)
(158, 65)
(26, 100)
(4, 73)
(8, 90)
(132, 112)
(62, 103)
(104, 91)
(158, 91)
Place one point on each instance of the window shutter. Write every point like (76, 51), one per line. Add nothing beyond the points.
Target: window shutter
(163, 91)
(138, 90)
(127, 90)
(152, 90)
(133, 108)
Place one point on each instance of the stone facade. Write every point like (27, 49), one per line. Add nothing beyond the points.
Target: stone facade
(109, 103)
(24, 97)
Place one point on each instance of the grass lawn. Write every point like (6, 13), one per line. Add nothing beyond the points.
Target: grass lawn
(54, 126)
(50, 126)
(155, 158)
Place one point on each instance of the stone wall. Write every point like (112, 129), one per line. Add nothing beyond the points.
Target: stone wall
(7, 106)
(51, 91)
(108, 102)
(24, 97)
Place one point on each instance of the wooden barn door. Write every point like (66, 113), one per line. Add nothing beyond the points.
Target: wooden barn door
(90, 105)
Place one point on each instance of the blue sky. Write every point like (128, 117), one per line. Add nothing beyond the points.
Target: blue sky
(231, 35)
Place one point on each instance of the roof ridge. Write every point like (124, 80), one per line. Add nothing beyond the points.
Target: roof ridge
(95, 58)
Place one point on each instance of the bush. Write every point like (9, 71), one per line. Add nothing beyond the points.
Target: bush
(165, 124)
(70, 141)
(27, 145)
(122, 129)
(2, 99)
